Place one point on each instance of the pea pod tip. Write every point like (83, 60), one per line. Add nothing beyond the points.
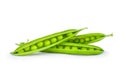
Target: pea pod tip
(82, 29)
(109, 35)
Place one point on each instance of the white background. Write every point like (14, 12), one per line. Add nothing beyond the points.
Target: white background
(29, 19)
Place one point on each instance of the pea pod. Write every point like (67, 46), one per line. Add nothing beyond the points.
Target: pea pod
(46, 42)
(77, 49)
(88, 38)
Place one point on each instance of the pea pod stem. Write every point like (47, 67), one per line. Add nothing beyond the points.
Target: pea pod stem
(83, 29)
(109, 35)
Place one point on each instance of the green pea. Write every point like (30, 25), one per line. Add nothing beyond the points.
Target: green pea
(40, 44)
(92, 38)
(47, 42)
(69, 34)
(82, 40)
(83, 48)
(67, 47)
(74, 48)
(53, 40)
(77, 40)
(33, 47)
(27, 49)
(91, 49)
(60, 47)
(70, 40)
(87, 39)
(21, 51)
(60, 37)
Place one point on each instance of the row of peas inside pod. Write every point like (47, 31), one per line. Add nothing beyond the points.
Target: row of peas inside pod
(65, 42)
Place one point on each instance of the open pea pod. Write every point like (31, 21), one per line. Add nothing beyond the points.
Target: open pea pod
(76, 49)
(45, 42)
(88, 38)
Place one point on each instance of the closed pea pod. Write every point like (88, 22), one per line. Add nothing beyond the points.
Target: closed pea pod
(78, 49)
(46, 42)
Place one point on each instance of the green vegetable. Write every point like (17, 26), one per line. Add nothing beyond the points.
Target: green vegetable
(88, 38)
(44, 43)
(78, 49)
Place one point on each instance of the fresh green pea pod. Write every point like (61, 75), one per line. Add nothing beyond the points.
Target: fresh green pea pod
(88, 38)
(76, 49)
(46, 42)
